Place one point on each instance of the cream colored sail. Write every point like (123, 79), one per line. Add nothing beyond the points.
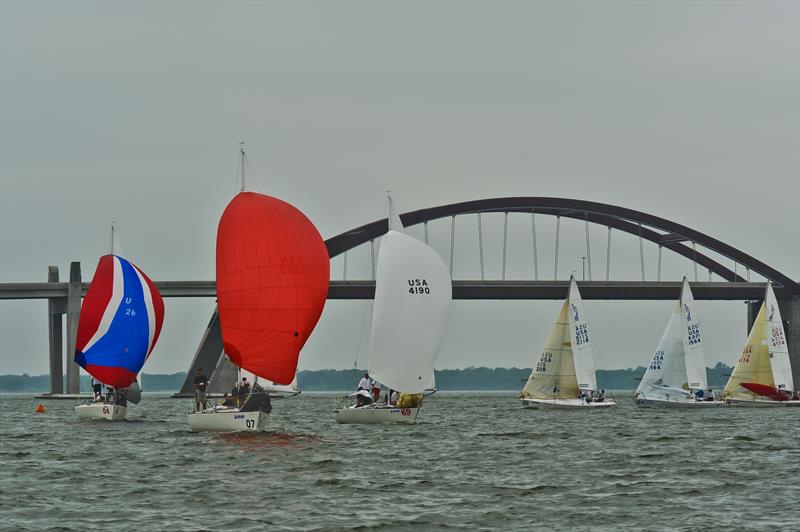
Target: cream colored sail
(554, 374)
(753, 365)
(582, 353)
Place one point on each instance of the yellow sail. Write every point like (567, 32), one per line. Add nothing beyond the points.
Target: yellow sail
(753, 364)
(554, 374)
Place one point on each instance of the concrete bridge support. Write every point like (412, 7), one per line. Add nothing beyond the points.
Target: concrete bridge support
(55, 308)
(790, 312)
(73, 313)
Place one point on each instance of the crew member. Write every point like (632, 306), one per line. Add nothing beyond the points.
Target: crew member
(200, 384)
(364, 383)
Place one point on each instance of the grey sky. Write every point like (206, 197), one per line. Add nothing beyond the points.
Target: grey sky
(131, 112)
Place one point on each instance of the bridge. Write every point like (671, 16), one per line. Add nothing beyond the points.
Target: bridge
(705, 253)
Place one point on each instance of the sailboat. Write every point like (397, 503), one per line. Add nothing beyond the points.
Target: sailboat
(118, 327)
(272, 284)
(413, 293)
(676, 376)
(564, 376)
(763, 374)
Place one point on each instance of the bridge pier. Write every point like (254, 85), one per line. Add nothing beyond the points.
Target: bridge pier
(790, 313)
(73, 313)
(55, 308)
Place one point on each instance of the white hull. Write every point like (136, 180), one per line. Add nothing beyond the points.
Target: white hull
(228, 420)
(566, 403)
(376, 414)
(762, 403)
(101, 411)
(664, 403)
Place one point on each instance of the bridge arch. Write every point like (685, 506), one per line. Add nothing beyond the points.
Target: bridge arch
(666, 233)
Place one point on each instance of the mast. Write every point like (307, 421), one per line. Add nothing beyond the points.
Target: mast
(241, 166)
(112, 238)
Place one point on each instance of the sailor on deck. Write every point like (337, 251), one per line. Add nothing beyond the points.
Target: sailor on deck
(200, 384)
(365, 383)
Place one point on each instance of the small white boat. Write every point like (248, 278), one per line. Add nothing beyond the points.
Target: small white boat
(111, 412)
(272, 279)
(676, 376)
(564, 376)
(227, 420)
(250, 417)
(762, 376)
(566, 403)
(119, 323)
(413, 293)
(376, 413)
(113, 406)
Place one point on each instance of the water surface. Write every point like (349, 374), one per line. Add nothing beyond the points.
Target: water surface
(474, 461)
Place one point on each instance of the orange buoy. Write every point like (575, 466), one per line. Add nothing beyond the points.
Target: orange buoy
(40, 408)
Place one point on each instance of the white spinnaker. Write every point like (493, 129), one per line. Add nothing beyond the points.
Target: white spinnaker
(413, 292)
(695, 359)
(775, 340)
(667, 367)
(581, 340)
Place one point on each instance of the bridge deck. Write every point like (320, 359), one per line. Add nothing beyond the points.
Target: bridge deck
(549, 290)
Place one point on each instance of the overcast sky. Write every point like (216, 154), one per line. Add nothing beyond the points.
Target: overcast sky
(131, 111)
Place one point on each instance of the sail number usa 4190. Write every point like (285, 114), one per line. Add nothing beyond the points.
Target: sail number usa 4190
(418, 286)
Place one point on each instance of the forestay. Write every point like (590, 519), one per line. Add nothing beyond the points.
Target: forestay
(413, 292)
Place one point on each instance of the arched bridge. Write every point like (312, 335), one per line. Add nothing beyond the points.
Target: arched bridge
(703, 250)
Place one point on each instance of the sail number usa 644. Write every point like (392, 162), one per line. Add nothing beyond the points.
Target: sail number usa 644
(418, 286)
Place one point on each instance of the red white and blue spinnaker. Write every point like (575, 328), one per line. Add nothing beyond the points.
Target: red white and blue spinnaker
(120, 321)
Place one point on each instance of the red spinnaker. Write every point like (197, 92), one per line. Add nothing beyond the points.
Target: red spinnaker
(272, 282)
(765, 391)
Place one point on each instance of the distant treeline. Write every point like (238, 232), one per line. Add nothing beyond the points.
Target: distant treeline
(471, 378)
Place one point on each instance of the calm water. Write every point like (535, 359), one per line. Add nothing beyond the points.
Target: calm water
(476, 461)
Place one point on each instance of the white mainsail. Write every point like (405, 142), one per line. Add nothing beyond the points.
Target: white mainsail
(581, 340)
(667, 367)
(413, 293)
(694, 355)
(775, 339)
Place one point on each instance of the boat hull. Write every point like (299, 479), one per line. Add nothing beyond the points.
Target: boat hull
(664, 403)
(374, 415)
(567, 404)
(228, 421)
(762, 403)
(101, 411)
